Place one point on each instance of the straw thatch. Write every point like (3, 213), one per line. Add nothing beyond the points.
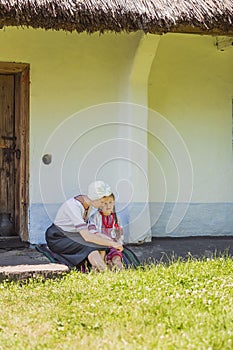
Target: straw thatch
(150, 16)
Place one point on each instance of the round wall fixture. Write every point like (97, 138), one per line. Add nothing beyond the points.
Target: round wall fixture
(47, 159)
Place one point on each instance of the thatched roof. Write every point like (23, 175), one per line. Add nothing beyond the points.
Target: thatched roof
(150, 16)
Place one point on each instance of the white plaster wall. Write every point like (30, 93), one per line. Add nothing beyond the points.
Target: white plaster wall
(77, 84)
(69, 73)
(191, 86)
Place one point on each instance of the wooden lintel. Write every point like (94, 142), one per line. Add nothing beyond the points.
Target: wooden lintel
(12, 67)
(187, 29)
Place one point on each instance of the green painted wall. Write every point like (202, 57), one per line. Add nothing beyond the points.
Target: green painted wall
(191, 85)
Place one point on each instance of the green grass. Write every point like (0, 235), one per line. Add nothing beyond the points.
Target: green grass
(183, 305)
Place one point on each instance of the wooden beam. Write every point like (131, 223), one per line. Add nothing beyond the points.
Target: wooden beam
(12, 67)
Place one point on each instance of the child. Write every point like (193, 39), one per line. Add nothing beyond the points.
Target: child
(105, 220)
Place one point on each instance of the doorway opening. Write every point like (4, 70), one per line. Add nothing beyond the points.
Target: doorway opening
(14, 149)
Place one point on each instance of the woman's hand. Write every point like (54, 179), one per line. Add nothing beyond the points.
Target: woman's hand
(118, 246)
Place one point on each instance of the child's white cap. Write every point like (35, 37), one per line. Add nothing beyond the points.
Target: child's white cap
(98, 189)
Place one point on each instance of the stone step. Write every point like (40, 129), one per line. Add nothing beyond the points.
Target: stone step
(24, 263)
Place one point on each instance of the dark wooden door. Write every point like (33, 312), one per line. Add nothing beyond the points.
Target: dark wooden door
(8, 154)
(14, 151)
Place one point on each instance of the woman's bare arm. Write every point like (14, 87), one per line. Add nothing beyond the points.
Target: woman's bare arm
(103, 236)
(99, 238)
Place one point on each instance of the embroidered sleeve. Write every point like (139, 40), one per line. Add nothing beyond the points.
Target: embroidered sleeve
(74, 211)
(70, 217)
(93, 223)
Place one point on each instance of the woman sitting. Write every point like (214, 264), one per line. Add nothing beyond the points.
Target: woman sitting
(72, 238)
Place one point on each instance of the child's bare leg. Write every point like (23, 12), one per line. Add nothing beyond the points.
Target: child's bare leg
(108, 262)
(116, 260)
(97, 261)
(102, 253)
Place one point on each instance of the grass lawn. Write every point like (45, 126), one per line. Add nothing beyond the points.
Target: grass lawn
(183, 305)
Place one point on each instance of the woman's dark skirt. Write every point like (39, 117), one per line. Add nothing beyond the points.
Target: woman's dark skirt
(70, 246)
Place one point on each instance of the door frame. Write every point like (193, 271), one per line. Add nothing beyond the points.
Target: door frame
(22, 87)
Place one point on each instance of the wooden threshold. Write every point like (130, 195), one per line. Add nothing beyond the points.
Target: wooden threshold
(12, 242)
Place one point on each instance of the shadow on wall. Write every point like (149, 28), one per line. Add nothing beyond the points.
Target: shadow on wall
(201, 219)
(42, 215)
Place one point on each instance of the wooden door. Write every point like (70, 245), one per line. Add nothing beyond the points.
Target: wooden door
(14, 148)
(7, 155)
